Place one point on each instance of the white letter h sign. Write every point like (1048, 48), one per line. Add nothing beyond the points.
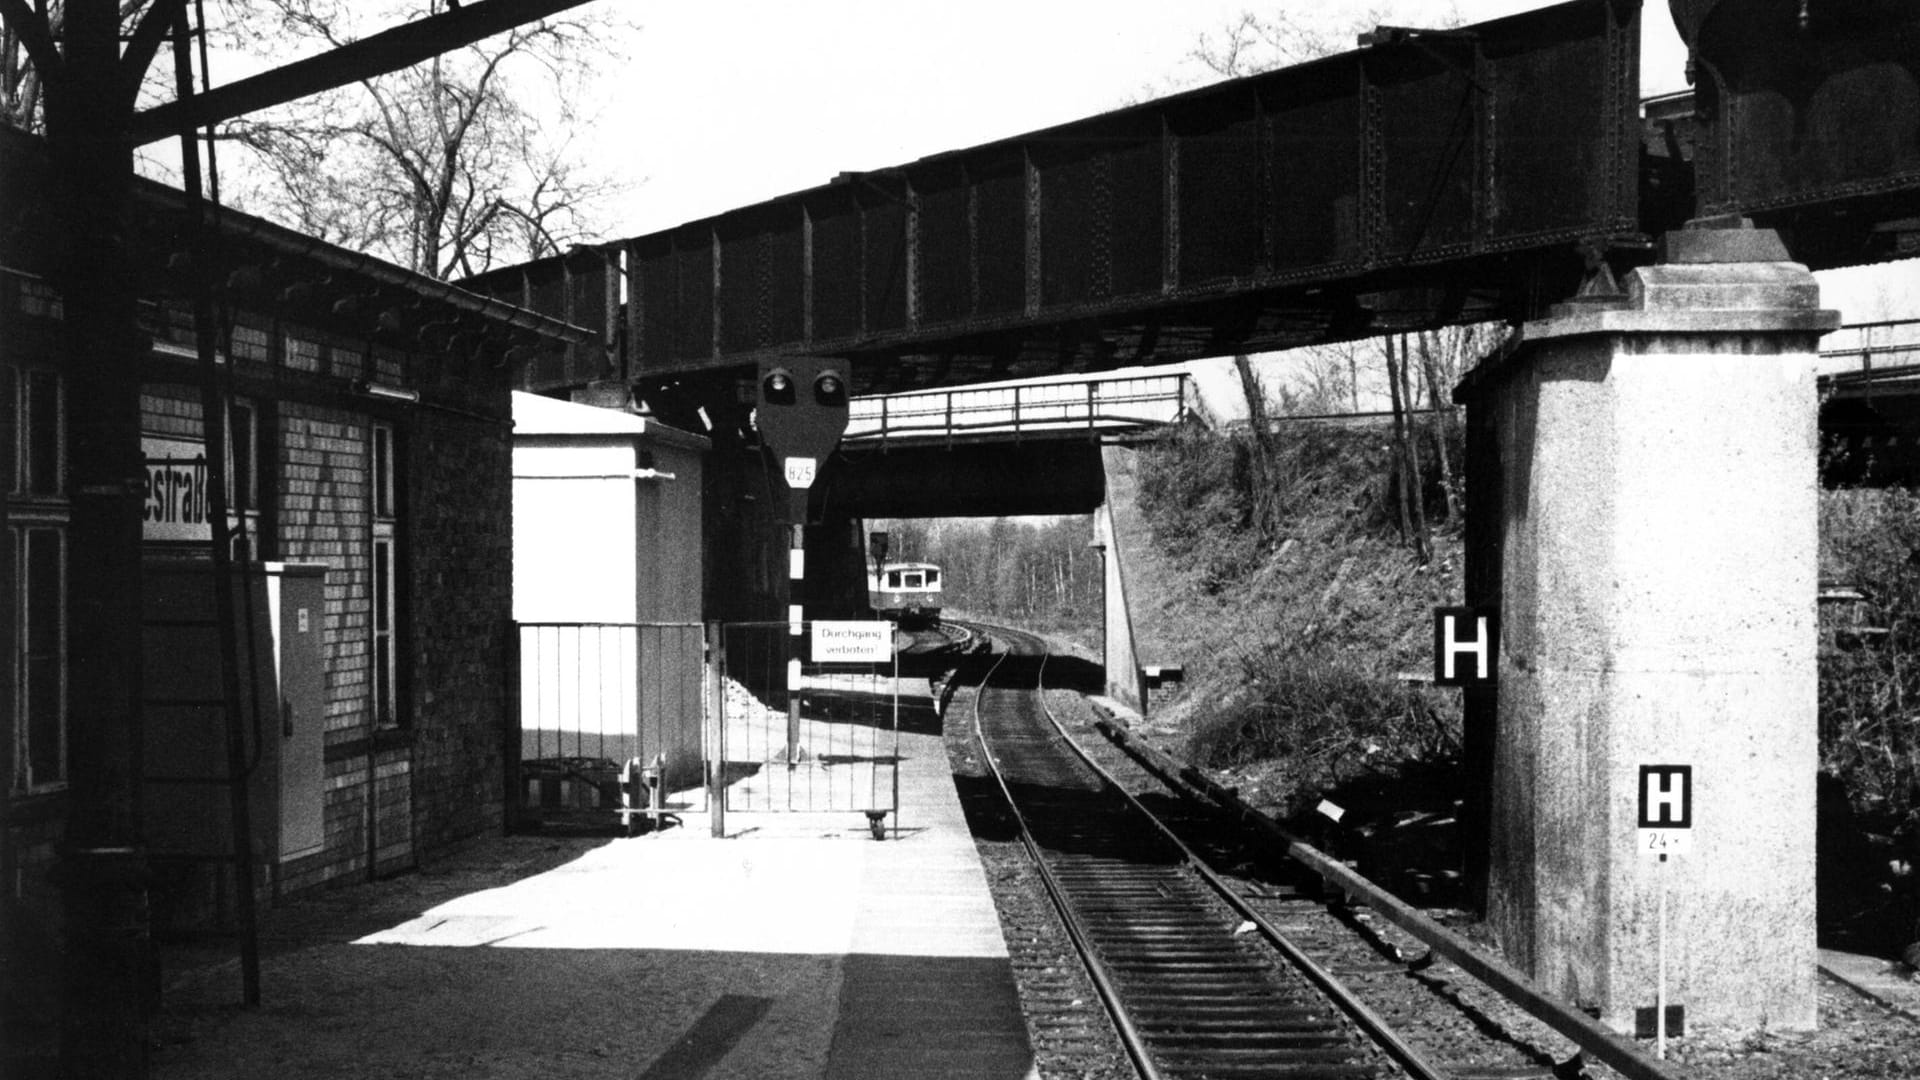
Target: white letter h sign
(1449, 650)
(1666, 797)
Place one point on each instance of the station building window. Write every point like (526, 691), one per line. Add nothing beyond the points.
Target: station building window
(36, 560)
(243, 478)
(386, 576)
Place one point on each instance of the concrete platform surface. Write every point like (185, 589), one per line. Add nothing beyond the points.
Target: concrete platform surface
(798, 946)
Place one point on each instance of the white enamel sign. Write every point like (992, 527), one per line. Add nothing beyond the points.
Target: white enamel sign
(852, 642)
(800, 472)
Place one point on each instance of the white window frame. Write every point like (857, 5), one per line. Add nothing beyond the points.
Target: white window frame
(35, 517)
(383, 574)
(243, 476)
(26, 779)
(20, 484)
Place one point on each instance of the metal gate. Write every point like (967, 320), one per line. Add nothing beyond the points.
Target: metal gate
(636, 722)
(805, 731)
(613, 721)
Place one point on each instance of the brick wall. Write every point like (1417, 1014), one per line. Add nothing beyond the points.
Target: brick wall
(396, 794)
(392, 795)
(325, 518)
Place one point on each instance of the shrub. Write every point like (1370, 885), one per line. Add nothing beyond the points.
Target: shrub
(1870, 692)
(1193, 493)
(1329, 716)
(1297, 603)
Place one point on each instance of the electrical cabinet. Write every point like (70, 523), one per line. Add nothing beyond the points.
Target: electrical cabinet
(277, 614)
(297, 599)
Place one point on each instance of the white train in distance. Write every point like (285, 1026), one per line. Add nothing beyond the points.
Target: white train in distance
(908, 593)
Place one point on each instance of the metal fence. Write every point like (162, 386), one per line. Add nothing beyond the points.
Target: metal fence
(804, 736)
(626, 722)
(610, 713)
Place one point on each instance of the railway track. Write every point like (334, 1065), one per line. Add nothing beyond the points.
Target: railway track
(948, 637)
(1197, 982)
(1292, 909)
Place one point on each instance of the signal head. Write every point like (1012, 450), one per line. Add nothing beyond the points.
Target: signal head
(830, 389)
(777, 388)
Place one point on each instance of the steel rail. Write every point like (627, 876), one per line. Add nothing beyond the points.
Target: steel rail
(1584, 1031)
(1130, 1037)
(1375, 1026)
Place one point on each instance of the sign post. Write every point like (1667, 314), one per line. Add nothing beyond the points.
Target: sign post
(1666, 828)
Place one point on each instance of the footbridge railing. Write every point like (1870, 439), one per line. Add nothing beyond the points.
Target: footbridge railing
(1870, 352)
(1097, 407)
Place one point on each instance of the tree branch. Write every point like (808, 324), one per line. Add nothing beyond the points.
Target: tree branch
(145, 40)
(35, 35)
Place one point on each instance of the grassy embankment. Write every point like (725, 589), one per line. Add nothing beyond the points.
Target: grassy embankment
(1296, 635)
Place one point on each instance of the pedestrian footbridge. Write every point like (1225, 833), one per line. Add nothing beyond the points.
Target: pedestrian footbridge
(1031, 448)
(1116, 408)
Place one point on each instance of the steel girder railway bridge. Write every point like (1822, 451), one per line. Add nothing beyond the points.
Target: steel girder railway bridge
(1428, 178)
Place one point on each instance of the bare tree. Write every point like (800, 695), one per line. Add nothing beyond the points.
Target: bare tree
(448, 167)
(1406, 462)
(22, 84)
(1254, 42)
(1260, 446)
(1325, 379)
(20, 80)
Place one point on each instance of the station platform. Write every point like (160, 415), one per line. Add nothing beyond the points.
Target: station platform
(795, 946)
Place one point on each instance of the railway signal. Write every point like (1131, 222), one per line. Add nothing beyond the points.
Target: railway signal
(801, 430)
(777, 388)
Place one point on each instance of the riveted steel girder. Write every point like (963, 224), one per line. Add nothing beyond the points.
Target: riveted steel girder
(1428, 177)
(1806, 104)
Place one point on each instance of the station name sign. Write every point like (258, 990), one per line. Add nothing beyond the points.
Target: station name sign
(177, 504)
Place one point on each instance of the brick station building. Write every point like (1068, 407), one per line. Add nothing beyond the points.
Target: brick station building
(370, 476)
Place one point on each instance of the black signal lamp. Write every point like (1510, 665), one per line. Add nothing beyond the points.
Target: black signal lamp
(777, 388)
(830, 389)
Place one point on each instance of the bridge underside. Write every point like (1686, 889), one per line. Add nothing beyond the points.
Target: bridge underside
(1871, 432)
(981, 479)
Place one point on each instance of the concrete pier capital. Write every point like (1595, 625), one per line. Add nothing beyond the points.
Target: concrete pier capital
(1709, 281)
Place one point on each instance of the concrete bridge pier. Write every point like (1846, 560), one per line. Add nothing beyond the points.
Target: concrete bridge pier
(1652, 552)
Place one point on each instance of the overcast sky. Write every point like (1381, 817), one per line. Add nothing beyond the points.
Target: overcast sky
(729, 104)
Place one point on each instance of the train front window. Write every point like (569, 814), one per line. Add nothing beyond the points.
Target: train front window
(913, 581)
(933, 578)
(893, 579)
